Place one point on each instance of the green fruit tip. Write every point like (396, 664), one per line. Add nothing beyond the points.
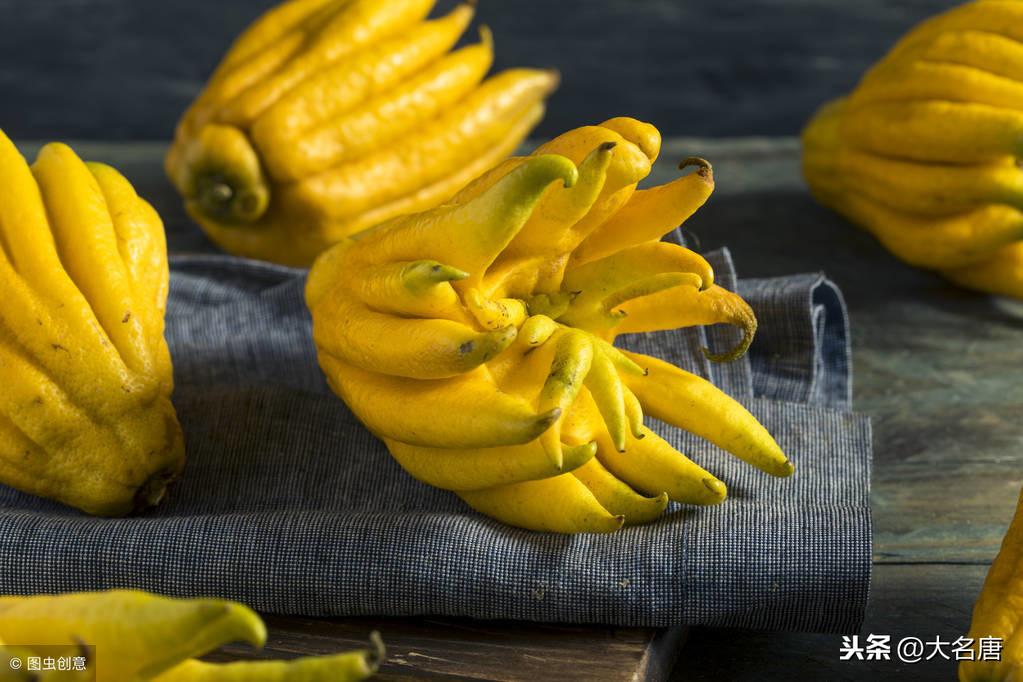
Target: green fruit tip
(733, 354)
(438, 272)
(585, 450)
(716, 487)
(218, 199)
(549, 417)
(787, 469)
(486, 35)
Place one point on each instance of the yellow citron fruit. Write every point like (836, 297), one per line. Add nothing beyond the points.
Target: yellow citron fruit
(329, 116)
(476, 338)
(85, 410)
(996, 615)
(350, 666)
(924, 152)
(137, 636)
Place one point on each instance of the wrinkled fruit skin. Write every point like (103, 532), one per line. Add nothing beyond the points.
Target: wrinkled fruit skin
(326, 117)
(140, 636)
(924, 153)
(476, 339)
(85, 410)
(997, 611)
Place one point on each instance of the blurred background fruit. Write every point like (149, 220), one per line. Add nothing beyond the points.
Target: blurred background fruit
(326, 117)
(924, 152)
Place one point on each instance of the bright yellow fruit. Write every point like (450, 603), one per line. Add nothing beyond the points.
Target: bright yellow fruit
(140, 636)
(996, 615)
(476, 338)
(351, 666)
(924, 151)
(136, 635)
(85, 412)
(329, 116)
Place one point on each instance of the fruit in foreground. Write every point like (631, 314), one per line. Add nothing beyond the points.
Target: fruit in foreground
(328, 116)
(85, 410)
(924, 152)
(997, 615)
(140, 636)
(476, 339)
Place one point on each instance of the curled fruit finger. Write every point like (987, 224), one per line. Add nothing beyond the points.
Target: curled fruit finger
(136, 635)
(561, 504)
(350, 666)
(924, 151)
(696, 405)
(85, 414)
(1001, 274)
(475, 469)
(617, 497)
(652, 466)
(327, 117)
(543, 428)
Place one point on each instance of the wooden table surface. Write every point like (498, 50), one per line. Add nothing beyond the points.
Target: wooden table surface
(939, 370)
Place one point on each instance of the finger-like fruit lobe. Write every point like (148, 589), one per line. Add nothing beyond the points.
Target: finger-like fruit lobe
(996, 617)
(138, 636)
(924, 152)
(329, 116)
(85, 410)
(477, 338)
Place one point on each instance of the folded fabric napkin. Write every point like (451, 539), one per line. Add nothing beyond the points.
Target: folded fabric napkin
(290, 505)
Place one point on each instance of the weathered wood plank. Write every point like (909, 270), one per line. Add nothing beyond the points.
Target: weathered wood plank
(433, 648)
(907, 601)
(126, 69)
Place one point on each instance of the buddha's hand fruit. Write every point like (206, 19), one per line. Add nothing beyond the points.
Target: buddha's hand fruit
(997, 616)
(85, 411)
(328, 116)
(476, 339)
(924, 153)
(139, 636)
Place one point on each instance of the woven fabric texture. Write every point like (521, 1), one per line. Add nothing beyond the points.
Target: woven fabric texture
(290, 506)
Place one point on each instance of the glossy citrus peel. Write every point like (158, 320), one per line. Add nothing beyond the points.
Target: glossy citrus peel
(329, 116)
(996, 615)
(85, 411)
(924, 152)
(476, 339)
(139, 637)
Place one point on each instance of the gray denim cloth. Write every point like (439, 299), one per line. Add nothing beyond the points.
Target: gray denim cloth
(289, 505)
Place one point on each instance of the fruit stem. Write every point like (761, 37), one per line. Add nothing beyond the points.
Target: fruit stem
(703, 164)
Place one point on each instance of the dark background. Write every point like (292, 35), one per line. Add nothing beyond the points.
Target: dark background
(932, 363)
(126, 69)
